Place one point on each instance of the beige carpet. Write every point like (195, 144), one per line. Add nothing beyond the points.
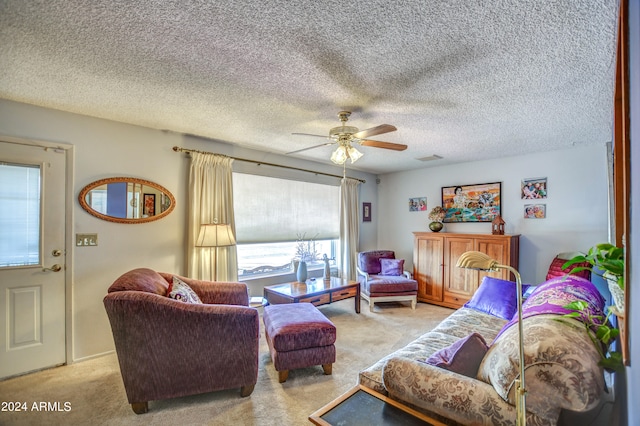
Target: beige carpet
(94, 392)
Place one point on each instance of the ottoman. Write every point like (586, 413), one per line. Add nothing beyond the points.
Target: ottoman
(299, 336)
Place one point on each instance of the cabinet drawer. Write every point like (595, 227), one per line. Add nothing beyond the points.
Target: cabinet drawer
(317, 300)
(454, 299)
(343, 294)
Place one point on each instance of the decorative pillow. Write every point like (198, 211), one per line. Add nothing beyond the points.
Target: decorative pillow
(462, 357)
(550, 297)
(391, 266)
(180, 290)
(561, 366)
(496, 297)
(555, 269)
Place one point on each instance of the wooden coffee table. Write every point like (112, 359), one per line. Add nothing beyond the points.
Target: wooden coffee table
(318, 292)
(361, 406)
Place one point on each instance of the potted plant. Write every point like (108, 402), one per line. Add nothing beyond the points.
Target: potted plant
(607, 261)
(436, 216)
(600, 332)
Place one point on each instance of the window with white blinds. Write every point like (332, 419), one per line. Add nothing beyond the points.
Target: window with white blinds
(19, 215)
(269, 209)
(273, 214)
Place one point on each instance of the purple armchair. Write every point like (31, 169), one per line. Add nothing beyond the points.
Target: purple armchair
(382, 278)
(168, 348)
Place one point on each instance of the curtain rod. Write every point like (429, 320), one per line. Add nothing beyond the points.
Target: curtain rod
(188, 151)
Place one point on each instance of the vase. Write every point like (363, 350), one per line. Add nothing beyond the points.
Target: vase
(617, 293)
(301, 274)
(436, 226)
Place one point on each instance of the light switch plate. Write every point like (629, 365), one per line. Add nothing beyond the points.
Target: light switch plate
(86, 239)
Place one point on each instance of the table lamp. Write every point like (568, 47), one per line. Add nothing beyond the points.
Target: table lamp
(482, 262)
(215, 235)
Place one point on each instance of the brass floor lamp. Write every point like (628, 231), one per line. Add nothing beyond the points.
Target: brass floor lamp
(482, 262)
(214, 235)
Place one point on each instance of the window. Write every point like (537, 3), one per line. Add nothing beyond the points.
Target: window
(19, 215)
(272, 216)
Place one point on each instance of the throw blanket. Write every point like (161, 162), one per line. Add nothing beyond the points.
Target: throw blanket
(552, 295)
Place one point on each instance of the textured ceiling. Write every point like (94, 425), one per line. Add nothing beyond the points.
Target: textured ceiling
(464, 80)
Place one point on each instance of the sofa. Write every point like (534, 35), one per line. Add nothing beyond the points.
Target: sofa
(463, 371)
(176, 336)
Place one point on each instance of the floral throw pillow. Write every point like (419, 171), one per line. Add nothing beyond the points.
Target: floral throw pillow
(179, 290)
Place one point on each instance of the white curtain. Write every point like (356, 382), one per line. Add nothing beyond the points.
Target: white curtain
(210, 200)
(349, 227)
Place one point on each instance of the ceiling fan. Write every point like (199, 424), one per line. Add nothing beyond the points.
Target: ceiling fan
(345, 136)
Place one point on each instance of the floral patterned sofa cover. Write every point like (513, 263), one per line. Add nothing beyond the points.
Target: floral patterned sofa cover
(561, 362)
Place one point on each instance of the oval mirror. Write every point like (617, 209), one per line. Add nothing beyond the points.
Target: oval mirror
(126, 200)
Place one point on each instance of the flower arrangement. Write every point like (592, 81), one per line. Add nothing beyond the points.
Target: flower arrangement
(306, 249)
(437, 214)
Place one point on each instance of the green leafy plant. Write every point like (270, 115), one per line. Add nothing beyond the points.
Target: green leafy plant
(599, 331)
(601, 257)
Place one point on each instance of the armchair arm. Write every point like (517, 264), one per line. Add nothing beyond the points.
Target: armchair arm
(166, 346)
(216, 292)
(363, 273)
(463, 399)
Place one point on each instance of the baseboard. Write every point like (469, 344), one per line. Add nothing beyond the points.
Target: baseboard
(94, 356)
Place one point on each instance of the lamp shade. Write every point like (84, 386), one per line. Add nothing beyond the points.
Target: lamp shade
(476, 260)
(215, 235)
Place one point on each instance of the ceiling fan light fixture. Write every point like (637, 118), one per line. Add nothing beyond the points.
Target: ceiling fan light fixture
(340, 155)
(354, 154)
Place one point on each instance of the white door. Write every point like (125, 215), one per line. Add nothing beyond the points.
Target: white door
(32, 258)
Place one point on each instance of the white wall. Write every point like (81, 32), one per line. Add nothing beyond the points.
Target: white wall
(577, 204)
(106, 149)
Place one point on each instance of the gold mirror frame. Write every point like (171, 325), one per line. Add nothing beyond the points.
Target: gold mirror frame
(82, 199)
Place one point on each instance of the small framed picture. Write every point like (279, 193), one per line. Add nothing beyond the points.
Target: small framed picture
(366, 212)
(149, 206)
(418, 204)
(535, 211)
(533, 188)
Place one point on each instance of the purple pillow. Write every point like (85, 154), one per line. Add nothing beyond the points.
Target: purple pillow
(462, 357)
(391, 266)
(496, 297)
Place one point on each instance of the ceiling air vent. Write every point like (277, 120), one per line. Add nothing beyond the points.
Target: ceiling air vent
(430, 158)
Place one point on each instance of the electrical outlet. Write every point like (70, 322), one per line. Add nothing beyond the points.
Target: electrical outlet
(86, 240)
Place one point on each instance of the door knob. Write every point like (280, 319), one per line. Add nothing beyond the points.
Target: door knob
(54, 268)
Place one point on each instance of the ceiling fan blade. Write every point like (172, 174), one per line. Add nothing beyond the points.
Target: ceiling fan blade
(310, 147)
(309, 134)
(378, 130)
(385, 145)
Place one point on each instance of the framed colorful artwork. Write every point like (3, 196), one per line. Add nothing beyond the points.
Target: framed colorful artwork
(480, 202)
(533, 188)
(418, 204)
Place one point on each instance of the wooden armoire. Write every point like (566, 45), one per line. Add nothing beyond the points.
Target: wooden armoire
(435, 255)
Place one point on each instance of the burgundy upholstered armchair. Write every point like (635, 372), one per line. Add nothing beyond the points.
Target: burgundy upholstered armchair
(383, 278)
(168, 348)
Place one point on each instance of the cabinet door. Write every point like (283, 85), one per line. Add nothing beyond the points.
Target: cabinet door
(459, 283)
(497, 249)
(427, 268)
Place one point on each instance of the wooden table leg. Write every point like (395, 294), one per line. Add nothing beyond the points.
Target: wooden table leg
(358, 300)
